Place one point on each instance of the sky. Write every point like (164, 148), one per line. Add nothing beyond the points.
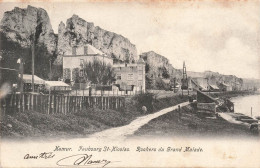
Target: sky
(221, 36)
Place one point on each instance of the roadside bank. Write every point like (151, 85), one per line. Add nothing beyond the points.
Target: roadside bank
(191, 125)
(82, 123)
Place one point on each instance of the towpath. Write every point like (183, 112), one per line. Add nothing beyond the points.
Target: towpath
(121, 133)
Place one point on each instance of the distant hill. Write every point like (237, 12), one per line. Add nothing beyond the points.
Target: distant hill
(156, 64)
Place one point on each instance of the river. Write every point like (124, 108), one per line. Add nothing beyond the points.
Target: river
(243, 105)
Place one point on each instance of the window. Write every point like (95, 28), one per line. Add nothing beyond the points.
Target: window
(118, 77)
(130, 76)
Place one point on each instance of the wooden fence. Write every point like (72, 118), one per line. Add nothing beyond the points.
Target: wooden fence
(51, 104)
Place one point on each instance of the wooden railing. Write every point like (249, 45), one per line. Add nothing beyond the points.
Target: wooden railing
(51, 104)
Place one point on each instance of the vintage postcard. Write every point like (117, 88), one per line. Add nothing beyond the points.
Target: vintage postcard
(96, 83)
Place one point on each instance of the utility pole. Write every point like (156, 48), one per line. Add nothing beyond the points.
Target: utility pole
(33, 43)
(50, 69)
(184, 79)
(21, 73)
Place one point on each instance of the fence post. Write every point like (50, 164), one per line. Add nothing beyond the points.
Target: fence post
(62, 104)
(32, 96)
(36, 102)
(52, 105)
(17, 103)
(49, 104)
(68, 105)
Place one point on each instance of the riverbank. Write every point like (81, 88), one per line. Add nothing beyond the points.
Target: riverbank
(191, 125)
(79, 124)
(232, 94)
(86, 122)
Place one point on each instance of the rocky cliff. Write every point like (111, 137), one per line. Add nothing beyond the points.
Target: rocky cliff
(79, 32)
(157, 63)
(20, 25)
(215, 77)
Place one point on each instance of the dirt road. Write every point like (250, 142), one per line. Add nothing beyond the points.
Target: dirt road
(121, 133)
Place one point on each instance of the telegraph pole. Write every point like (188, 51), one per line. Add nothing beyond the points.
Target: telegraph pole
(50, 69)
(21, 72)
(33, 43)
(184, 79)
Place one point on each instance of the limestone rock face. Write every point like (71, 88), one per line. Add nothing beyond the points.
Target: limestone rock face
(20, 25)
(156, 61)
(79, 32)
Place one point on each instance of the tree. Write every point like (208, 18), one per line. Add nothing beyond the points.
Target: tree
(148, 82)
(99, 73)
(147, 67)
(165, 73)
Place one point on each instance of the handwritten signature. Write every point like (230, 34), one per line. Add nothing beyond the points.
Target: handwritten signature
(82, 160)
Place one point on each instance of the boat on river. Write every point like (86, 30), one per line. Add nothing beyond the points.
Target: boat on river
(241, 119)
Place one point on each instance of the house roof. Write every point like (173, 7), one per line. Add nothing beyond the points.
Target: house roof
(141, 61)
(196, 83)
(87, 49)
(225, 84)
(55, 83)
(214, 86)
(208, 96)
(93, 51)
(28, 79)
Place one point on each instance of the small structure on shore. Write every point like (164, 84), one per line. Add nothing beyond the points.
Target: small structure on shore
(57, 87)
(213, 88)
(206, 105)
(27, 83)
(225, 87)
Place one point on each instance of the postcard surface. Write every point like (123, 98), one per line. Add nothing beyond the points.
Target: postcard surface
(130, 83)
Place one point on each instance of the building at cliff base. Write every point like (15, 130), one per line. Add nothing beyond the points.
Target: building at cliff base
(75, 59)
(130, 78)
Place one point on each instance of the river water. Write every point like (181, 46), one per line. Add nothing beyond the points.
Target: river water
(243, 105)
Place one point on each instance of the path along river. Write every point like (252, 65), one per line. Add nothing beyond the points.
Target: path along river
(122, 132)
(243, 105)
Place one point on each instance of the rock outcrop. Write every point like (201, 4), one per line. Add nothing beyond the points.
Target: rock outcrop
(156, 65)
(79, 32)
(215, 77)
(20, 25)
(156, 62)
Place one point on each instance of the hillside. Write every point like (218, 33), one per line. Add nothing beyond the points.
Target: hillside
(158, 66)
(19, 26)
(77, 31)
